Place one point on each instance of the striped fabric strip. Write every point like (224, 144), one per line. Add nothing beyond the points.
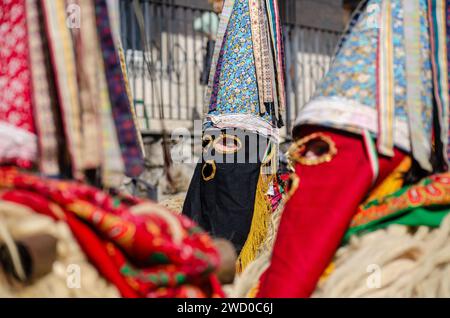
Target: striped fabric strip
(437, 19)
(221, 33)
(266, 54)
(113, 167)
(421, 147)
(18, 140)
(276, 40)
(447, 9)
(86, 40)
(280, 57)
(123, 64)
(43, 99)
(275, 32)
(63, 60)
(121, 108)
(272, 23)
(254, 7)
(385, 83)
(372, 154)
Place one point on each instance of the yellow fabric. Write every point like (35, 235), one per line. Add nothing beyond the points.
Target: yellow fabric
(392, 183)
(260, 223)
(253, 292)
(328, 271)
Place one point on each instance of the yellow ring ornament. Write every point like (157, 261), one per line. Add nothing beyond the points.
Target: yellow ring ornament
(293, 186)
(207, 140)
(212, 164)
(224, 148)
(298, 150)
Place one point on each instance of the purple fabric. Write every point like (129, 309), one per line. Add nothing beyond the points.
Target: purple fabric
(121, 108)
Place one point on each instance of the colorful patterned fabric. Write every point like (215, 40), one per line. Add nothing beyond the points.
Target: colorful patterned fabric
(64, 70)
(246, 73)
(17, 131)
(86, 51)
(346, 98)
(64, 67)
(112, 164)
(437, 18)
(144, 249)
(426, 203)
(48, 125)
(385, 80)
(121, 109)
(277, 41)
(235, 86)
(420, 146)
(123, 65)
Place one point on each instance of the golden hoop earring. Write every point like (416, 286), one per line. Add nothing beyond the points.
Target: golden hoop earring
(206, 142)
(294, 182)
(221, 144)
(209, 175)
(324, 151)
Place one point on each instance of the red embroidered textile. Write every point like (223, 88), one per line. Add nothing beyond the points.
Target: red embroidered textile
(156, 254)
(318, 214)
(17, 133)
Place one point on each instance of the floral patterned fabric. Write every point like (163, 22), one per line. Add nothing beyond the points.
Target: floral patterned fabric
(426, 203)
(18, 143)
(346, 98)
(235, 87)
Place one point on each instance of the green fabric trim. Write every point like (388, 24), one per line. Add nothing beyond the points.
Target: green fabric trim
(419, 216)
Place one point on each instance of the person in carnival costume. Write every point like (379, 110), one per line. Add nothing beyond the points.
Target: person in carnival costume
(384, 101)
(229, 192)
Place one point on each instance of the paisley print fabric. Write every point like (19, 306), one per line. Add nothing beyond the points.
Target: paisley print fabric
(235, 87)
(346, 98)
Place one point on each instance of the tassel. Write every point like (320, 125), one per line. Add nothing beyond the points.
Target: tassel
(260, 224)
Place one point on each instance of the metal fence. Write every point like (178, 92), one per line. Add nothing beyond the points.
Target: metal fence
(166, 78)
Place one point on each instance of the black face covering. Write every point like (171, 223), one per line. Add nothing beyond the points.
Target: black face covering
(221, 196)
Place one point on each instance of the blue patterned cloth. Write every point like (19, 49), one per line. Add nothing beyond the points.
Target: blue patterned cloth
(351, 83)
(235, 89)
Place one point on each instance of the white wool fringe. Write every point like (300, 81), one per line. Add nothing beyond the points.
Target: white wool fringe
(19, 222)
(397, 262)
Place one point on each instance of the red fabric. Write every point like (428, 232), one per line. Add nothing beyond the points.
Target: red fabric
(18, 143)
(318, 214)
(137, 253)
(15, 75)
(91, 244)
(96, 251)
